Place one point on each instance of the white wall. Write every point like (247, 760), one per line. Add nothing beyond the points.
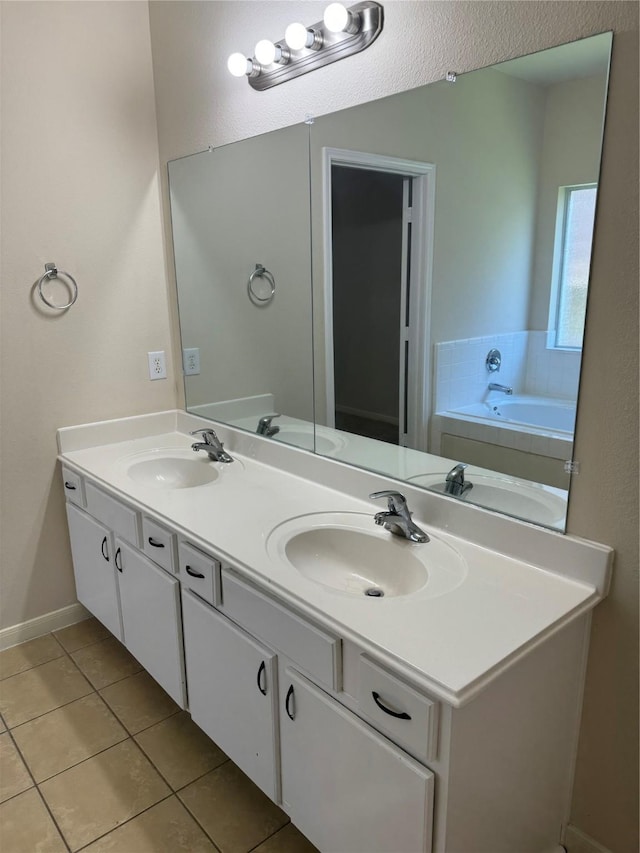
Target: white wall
(79, 188)
(420, 42)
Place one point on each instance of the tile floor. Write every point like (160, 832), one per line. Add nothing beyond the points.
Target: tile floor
(94, 756)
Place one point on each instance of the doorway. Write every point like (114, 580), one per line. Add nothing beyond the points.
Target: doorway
(378, 239)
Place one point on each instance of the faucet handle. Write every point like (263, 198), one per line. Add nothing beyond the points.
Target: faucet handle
(207, 434)
(456, 474)
(396, 501)
(266, 419)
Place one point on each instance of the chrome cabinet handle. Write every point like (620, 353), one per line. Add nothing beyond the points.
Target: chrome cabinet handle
(290, 696)
(262, 676)
(104, 549)
(400, 715)
(193, 573)
(155, 544)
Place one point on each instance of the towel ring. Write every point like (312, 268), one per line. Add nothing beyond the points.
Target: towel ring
(53, 272)
(261, 273)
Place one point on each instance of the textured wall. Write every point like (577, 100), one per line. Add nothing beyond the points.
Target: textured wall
(420, 42)
(79, 188)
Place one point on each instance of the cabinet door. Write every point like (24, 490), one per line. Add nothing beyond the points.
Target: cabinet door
(93, 566)
(150, 601)
(232, 690)
(345, 786)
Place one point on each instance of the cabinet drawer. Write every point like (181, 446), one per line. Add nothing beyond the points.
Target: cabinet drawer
(408, 717)
(200, 573)
(120, 518)
(73, 487)
(312, 648)
(159, 544)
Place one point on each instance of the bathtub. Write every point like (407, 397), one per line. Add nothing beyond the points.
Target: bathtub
(521, 435)
(545, 414)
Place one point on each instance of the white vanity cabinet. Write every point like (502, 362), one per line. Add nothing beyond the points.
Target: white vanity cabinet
(95, 573)
(150, 606)
(360, 747)
(345, 786)
(233, 691)
(134, 598)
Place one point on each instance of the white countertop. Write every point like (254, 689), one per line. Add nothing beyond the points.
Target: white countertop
(454, 644)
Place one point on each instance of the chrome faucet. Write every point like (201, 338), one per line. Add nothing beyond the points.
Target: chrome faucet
(455, 483)
(265, 428)
(211, 445)
(397, 518)
(495, 386)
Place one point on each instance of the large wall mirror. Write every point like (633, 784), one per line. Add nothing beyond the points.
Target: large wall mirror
(451, 228)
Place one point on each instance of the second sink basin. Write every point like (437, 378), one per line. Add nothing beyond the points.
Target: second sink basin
(518, 498)
(348, 554)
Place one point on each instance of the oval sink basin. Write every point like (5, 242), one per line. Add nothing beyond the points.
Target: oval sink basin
(512, 497)
(174, 470)
(348, 554)
(302, 437)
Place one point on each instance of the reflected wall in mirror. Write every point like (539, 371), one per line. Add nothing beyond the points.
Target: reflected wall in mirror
(457, 220)
(446, 222)
(247, 353)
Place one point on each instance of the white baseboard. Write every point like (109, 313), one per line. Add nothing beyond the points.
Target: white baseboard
(42, 625)
(578, 842)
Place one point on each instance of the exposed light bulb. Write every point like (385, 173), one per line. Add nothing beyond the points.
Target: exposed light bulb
(239, 65)
(266, 52)
(298, 36)
(338, 19)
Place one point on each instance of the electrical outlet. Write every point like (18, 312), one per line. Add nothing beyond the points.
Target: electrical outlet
(157, 365)
(191, 361)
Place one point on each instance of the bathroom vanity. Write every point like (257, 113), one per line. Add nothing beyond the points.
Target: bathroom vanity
(439, 714)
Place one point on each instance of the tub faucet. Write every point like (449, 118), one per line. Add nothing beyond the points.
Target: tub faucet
(455, 483)
(495, 386)
(265, 428)
(397, 518)
(211, 445)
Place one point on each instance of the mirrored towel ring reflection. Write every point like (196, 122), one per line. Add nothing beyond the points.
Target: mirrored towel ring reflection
(261, 286)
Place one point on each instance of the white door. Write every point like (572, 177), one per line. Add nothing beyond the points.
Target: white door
(232, 690)
(344, 785)
(150, 601)
(95, 574)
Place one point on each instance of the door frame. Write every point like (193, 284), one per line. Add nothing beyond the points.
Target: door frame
(423, 177)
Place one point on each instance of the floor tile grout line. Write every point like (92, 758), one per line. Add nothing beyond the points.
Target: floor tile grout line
(195, 818)
(157, 769)
(117, 681)
(196, 778)
(84, 760)
(124, 725)
(4, 678)
(64, 704)
(279, 829)
(124, 823)
(39, 792)
(44, 714)
(86, 645)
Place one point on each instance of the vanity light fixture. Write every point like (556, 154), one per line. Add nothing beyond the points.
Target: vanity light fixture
(341, 33)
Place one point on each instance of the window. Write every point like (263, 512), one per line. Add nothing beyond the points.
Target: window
(572, 256)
